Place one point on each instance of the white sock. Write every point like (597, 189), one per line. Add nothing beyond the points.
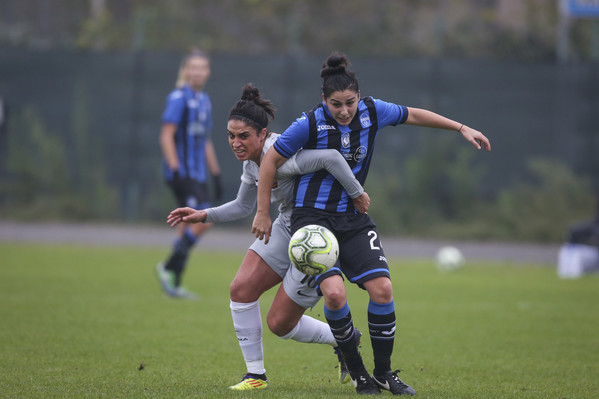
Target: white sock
(248, 327)
(310, 330)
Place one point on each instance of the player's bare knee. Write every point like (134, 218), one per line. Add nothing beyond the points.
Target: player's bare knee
(277, 325)
(239, 292)
(335, 299)
(334, 292)
(380, 290)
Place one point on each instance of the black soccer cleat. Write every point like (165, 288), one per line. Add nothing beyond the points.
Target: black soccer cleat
(391, 382)
(364, 384)
(343, 370)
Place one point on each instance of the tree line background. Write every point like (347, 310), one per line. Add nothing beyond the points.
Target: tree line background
(522, 30)
(84, 84)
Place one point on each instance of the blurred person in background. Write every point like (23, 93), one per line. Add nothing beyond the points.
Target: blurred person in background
(189, 159)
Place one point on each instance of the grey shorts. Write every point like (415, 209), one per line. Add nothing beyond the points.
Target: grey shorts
(301, 288)
(298, 286)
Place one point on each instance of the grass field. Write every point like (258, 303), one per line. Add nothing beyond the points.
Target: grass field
(82, 322)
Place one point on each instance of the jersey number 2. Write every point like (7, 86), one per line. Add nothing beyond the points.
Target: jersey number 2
(374, 236)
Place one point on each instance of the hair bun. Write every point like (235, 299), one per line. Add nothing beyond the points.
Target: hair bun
(335, 64)
(250, 92)
(337, 60)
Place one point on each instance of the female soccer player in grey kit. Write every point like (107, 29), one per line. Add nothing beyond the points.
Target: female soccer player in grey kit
(348, 123)
(265, 266)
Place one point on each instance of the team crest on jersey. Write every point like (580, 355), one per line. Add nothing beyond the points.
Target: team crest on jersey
(360, 153)
(365, 120)
(192, 103)
(345, 141)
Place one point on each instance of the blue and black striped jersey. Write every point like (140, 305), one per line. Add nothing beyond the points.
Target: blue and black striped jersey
(191, 111)
(318, 129)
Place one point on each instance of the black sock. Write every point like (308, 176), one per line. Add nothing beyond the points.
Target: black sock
(342, 327)
(178, 257)
(381, 323)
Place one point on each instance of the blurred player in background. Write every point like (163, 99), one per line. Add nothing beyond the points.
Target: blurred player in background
(348, 123)
(265, 266)
(189, 159)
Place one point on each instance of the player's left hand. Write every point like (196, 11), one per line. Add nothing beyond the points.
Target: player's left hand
(477, 139)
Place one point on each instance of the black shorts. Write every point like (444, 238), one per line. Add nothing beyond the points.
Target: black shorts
(361, 256)
(190, 192)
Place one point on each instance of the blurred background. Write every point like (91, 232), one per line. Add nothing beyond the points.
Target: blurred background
(83, 85)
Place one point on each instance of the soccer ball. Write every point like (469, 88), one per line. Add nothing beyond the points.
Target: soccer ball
(313, 249)
(449, 258)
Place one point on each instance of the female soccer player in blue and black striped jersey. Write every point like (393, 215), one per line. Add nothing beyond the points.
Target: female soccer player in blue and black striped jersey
(189, 158)
(348, 123)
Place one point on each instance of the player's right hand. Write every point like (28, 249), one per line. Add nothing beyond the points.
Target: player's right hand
(262, 227)
(362, 202)
(186, 215)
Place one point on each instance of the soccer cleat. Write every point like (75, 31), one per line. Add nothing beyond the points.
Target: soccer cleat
(167, 279)
(391, 382)
(364, 384)
(343, 370)
(180, 292)
(251, 381)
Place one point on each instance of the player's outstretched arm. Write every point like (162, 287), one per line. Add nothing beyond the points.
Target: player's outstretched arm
(423, 117)
(243, 205)
(186, 215)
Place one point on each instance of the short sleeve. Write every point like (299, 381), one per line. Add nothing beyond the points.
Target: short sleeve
(389, 113)
(294, 138)
(175, 104)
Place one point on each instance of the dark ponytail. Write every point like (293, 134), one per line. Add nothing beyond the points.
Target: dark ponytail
(336, 76)
(252, 108)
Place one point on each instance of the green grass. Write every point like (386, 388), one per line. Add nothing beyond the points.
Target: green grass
(81, 322)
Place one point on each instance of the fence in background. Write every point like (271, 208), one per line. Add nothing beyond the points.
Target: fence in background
(116, 100)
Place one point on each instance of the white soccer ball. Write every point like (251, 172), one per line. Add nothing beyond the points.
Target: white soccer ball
(449, 258)
(313, 249)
